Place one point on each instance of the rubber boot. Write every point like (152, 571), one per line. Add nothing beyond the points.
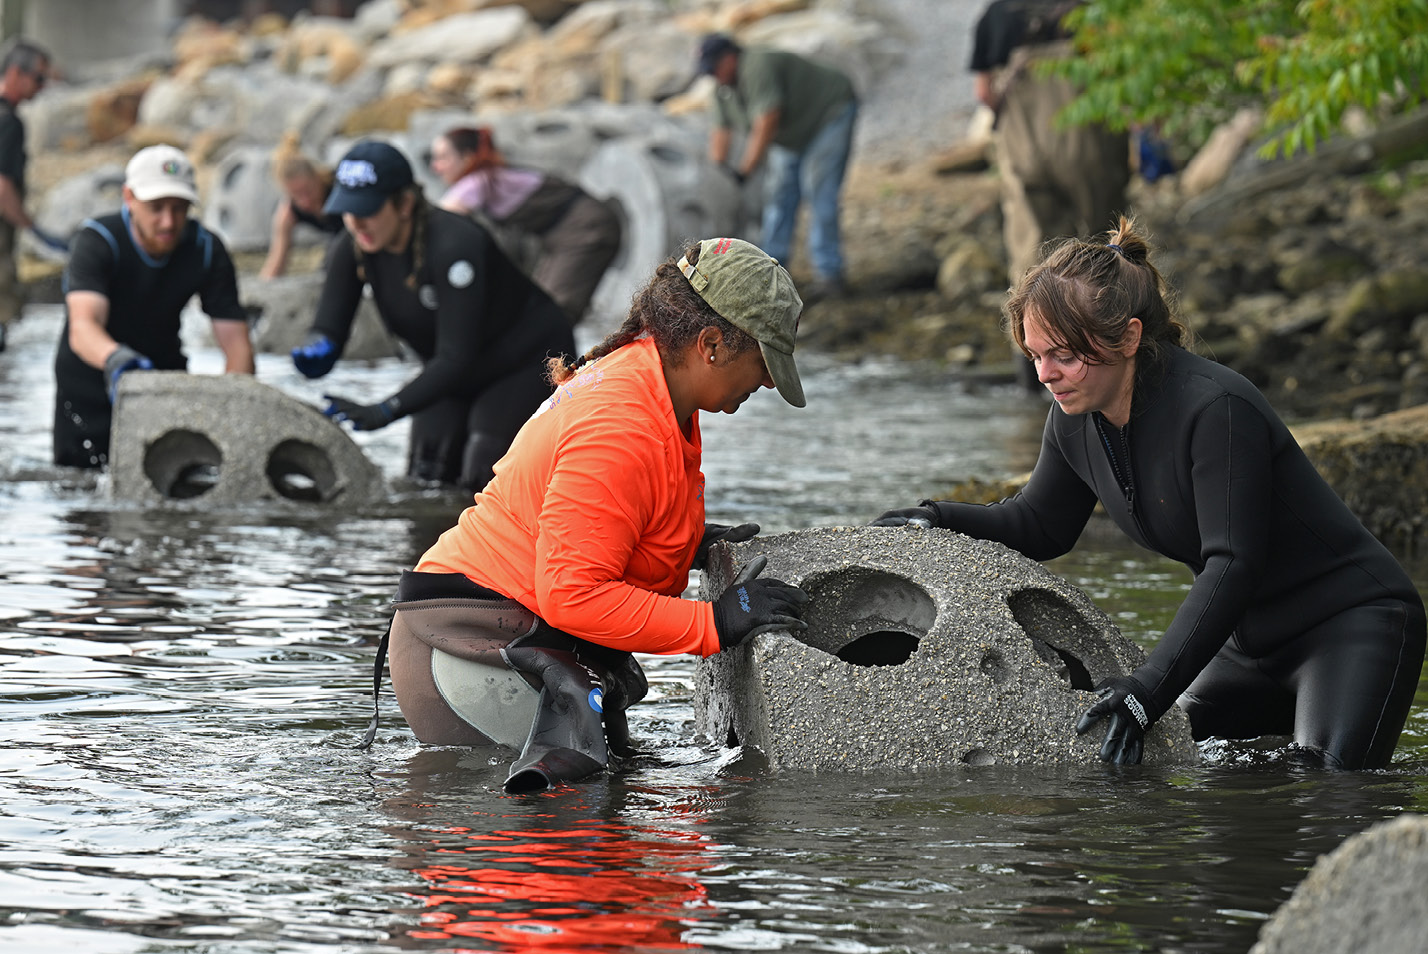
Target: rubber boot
(567, 740)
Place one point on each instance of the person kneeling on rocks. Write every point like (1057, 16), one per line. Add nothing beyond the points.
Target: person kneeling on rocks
(1299, 621)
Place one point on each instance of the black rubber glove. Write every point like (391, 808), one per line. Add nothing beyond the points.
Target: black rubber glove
(364, 417)
(1124, 702)
(924, 515)
(751, 606)
(714, 532)
(315, 356)
(120, 360)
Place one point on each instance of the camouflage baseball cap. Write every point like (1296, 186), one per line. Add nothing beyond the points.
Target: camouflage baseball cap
(753, 292)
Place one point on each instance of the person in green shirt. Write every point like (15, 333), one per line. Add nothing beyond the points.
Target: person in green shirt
(799, 119)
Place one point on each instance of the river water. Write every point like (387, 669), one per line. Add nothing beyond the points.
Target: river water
(180, 694)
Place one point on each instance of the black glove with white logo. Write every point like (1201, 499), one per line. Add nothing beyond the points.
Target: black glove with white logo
(751, 606)
(714, 532)
(363, 417)
(1126, 704)
(924, 515)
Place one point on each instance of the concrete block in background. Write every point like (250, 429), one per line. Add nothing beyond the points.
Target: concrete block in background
(288, 305)
(242, 199)
(1366, 895)
(199, 440)
(665, 191)
(924, 648)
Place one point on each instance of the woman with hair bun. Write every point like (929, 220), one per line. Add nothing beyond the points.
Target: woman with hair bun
(1299, 622)
(579, 235)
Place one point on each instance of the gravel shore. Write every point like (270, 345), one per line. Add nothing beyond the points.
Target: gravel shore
(924, 102)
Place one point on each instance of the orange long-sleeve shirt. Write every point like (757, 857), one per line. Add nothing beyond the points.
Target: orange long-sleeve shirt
(594, 514)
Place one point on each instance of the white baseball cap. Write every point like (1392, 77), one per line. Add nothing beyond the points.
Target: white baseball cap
(161, 172)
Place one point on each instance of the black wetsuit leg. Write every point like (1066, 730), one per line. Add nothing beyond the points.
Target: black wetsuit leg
(494, 420)
(1350, 681)
(438, 436)
(81, 429)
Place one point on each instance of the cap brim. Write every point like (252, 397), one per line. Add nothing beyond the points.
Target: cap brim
(165, 190)
(344, 201)
(785, 375)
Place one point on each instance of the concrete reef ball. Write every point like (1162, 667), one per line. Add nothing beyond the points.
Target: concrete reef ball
(195, 440)
(924, 649)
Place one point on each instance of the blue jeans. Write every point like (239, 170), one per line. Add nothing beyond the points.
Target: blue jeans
(817, 171)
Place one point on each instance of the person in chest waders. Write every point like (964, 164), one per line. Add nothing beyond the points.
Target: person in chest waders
(1298, 622)
(518, 625)
(482, 329)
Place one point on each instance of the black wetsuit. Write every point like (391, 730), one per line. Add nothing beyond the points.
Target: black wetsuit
(481, 328)
(324, 222)
(146, 297)
(1299, 620)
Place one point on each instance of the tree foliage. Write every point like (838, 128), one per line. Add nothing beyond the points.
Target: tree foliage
(1188, 65)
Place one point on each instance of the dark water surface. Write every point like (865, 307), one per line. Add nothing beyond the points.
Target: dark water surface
(180, 693)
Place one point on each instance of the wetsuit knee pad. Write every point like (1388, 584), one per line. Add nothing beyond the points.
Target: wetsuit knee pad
(452, 684)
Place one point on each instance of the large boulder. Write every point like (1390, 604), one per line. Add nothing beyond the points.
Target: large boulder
(284, 309)
(1366, 896)
(1380, 468)
(924, 648)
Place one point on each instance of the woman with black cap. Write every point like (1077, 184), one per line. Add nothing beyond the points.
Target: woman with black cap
(576, 553)
(482, 329)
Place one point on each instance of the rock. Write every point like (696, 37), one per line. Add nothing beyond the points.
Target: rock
(113, 110)
(1365, 896)
(67, 204)
(970, 270)
(858, 46)
(59, 119)
(1211, 165)
(190, 440)
(462, 38)
(287, 305)
(1395, 296)
(646, 62)
(1380, 469)
(1319, 261)
(924, 649)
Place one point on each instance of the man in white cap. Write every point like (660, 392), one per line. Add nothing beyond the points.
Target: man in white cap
(130, 275)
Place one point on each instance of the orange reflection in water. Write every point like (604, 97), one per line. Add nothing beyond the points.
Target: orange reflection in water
(601, 885)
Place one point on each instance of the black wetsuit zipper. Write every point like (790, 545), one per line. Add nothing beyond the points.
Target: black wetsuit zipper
(1121, 465)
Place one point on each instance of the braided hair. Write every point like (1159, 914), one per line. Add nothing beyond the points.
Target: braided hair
(668, 310)
(421, 215)
(1085, 293)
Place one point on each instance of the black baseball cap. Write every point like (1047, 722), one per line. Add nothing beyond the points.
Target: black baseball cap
(712, 48)
(370, 173)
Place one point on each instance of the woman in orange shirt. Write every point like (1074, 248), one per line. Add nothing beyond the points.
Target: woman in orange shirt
(518, 625)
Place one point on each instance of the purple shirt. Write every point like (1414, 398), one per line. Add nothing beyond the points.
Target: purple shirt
(498, 192)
